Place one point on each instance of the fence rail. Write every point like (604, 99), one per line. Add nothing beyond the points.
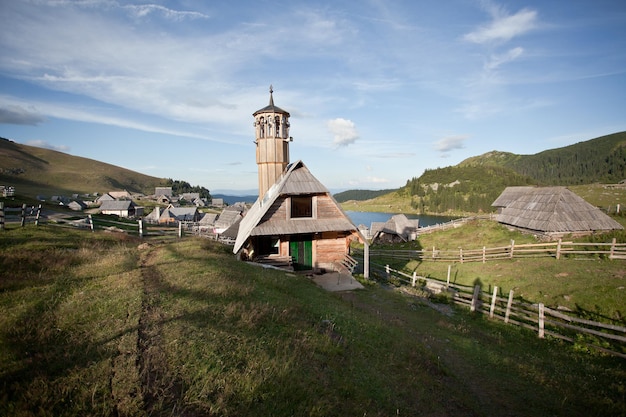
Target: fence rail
(612, 250)
(606, 337)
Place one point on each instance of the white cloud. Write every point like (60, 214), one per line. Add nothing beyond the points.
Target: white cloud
(19, 115)
(43, 144)
(449, 143)
(496, 60)
(503, 26)
(343, 131)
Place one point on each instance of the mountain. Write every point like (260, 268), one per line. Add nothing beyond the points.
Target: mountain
(601, 160)
(472, 185)
(359, 195)
(32, 171)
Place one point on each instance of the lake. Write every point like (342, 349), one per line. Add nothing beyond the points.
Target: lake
(366, 218)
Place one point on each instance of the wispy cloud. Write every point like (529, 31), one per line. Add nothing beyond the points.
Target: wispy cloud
(497, 60)
(44, 144)
(450, 143)
(503, 26)
(343, 130)
(19, 115)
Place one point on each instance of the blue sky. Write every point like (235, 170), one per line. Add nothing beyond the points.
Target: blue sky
(378, 91)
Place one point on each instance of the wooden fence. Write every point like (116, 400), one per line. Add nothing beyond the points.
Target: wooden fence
(612, 250)
(605, 337)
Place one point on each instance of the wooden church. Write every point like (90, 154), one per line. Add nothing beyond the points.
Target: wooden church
(295, 220)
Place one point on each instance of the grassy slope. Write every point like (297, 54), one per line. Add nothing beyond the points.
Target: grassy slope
(91, 324)
(48, 172)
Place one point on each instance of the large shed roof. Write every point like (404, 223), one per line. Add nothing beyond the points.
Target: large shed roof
(551, 210)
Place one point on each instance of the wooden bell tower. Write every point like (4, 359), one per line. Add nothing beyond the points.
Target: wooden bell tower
(272, 143)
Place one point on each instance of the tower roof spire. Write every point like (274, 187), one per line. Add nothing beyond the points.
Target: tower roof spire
(271, 108)
(271, 96)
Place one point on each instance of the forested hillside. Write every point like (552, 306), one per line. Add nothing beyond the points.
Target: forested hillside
(460, 188)
(598, 160)
(359, 195)
(472, 185)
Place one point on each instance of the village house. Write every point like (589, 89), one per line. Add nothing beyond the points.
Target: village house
(397, 229)
(122, 208)
(295, 218)
(551, 212)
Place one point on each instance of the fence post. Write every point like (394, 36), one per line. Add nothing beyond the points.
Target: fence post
(484, 254)
(180, 229)
(38, 214)
(1, 215)
(613, 248)
(366, 260)
(414, 279)
(512, 247)
(140, 225)
(493, 301)
(474, 304)
(90, 222)
(541, 321)
(23, 215)
(558, 249)
(508, 307)
(448, 279)
(433, 252)
(461, 254)
(617, 209)
(387, 272)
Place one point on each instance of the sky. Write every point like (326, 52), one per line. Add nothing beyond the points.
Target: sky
(378, 90)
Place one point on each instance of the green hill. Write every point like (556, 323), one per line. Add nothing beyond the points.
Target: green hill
(472, 185)
(359, 195)
(32, 170)
(601, 159)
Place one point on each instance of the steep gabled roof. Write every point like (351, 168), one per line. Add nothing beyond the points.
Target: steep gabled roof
(296, 180)
(551, 210)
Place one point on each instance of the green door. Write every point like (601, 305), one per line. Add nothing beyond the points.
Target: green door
(301, 252)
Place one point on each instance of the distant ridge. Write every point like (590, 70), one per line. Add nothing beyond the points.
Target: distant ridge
(472, 185)
(34, 171)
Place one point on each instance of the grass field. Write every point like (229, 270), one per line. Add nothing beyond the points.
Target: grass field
(104, 324)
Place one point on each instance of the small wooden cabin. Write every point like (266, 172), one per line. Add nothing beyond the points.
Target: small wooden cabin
(297, 219)
(551, 212)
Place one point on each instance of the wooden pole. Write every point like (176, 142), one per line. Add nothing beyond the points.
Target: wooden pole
(1, 215)
(387, 272)
(23, 215)
(461, 254)
(366, 260)
(558, 249)
(512, 247)
(140, 225)
(474, 304)
(541, 321)
(414, 279)
(38, 214)
(484, 254)
(180, 229)
(613, 242)
(508, 307)
(493, 301)
(448, 279)
(90, 222)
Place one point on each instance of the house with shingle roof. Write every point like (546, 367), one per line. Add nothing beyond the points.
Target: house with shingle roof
(551, 211)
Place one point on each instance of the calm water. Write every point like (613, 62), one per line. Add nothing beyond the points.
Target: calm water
(366, 218)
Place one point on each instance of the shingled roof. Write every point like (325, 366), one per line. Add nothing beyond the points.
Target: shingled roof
(551, 210)
(297, 180)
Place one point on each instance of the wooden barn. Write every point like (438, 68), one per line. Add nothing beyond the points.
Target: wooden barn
(295, 220)
(551, 212)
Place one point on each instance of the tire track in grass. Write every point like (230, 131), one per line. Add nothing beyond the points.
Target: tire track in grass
(160, 390)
